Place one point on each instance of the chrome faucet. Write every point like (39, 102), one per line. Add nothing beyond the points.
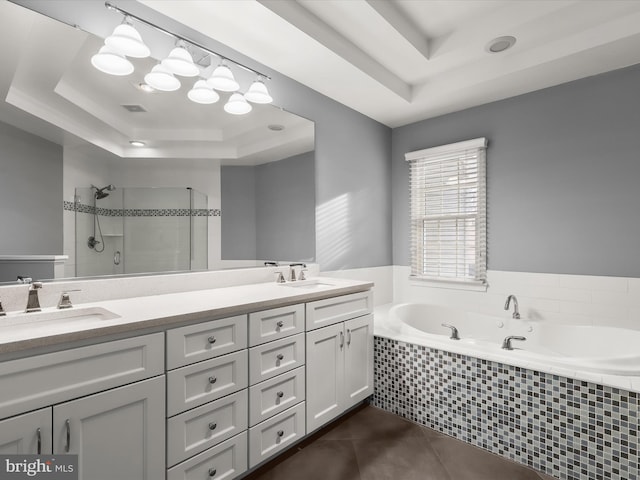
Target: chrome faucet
(506, 344)
(516, 312)
(292, 276)
(454, 331)
(33, 303)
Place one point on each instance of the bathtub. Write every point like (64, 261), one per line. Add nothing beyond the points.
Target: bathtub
(592, 353)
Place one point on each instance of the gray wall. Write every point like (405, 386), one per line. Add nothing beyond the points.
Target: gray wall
(563, 168)
(352, 169)
(238, 206)
(30, 218)
(285, 209)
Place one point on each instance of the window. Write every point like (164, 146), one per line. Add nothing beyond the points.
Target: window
(448, 212)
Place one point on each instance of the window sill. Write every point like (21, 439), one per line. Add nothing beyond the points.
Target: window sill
(471, 286)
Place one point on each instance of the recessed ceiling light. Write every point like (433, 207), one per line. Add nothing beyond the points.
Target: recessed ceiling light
(275, 127)
(137, 143)
(146, 87)
(500, 44)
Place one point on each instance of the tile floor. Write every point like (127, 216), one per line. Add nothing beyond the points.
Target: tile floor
(371, 444)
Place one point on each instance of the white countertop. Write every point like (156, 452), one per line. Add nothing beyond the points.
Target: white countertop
(23, 332)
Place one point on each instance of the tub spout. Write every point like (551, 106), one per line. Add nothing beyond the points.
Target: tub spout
(454, 332)
(516, 312)
(506, 344)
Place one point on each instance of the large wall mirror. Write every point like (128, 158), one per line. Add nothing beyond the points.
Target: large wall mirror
(206, 190)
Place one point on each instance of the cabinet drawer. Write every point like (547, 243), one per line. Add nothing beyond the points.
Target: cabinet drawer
(224, 461)
(276, 434)
(51, 378)
(273, 358)
(197, 384)
(333, 310)
(201, 428)
(275, 395)
(276, 323)
(194, 343)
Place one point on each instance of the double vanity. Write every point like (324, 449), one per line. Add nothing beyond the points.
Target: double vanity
(192, 385)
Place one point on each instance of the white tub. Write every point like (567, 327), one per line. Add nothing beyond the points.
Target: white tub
(601, 354)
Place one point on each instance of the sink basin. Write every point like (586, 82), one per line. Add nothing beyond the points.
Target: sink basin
(312, 284)
(74, 314)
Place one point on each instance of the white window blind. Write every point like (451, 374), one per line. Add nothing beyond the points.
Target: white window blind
(448, 212)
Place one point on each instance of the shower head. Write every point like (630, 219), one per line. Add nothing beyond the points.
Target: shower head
(100, 192)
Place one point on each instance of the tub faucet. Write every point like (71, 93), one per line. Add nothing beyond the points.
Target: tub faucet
(516, 312)
(33, 303)
(506, 344)
(454, 331)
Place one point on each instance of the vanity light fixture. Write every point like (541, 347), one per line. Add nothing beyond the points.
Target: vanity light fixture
(222, 78)
(203, 93)
(111, 62)
(137, 143)
(180, 61)
(162, 79)
(258, 92)
(237, 105)
(126, 40)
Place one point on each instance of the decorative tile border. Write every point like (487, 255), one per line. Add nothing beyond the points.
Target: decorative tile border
(139, 212)
(567, 428)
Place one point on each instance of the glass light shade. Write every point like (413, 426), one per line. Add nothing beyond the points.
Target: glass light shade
(222, 79)
(237, 105)
(161, 79)
(108, 61)
(258, 93)
(126, 40)
(180, 62)
(203, 93)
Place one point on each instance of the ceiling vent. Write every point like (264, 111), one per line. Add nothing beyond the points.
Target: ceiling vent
(134, 108)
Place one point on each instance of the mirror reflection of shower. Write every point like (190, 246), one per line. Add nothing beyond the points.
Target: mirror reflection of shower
(99, 194)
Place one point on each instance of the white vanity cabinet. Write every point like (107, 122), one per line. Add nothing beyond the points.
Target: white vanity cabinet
(28, 434)
(104, 402)
(339, 356)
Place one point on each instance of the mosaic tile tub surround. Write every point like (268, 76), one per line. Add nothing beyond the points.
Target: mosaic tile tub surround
(141, 212)
(567, 428)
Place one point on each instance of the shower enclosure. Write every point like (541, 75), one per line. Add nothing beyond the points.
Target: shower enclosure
(139, 230)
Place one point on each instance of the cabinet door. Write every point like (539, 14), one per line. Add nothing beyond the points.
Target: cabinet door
(325, 375)
(358, 359)
(117, 434)
(26, 434)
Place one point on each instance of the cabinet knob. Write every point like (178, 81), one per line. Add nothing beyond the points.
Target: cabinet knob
(280, 394)
(212, 380)
(280, 356)
(212, 426)
(211, 340)
(280, 324)
(212, 472)
(280, 433)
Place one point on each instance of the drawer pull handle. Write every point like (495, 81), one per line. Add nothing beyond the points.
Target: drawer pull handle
(280, 433)
(212, 426)
(211, 340)
(348, 337)
(212, 380)
(67, 445)
(280, 356)
(280, 324)
(280, 394)
(212, 472)
(39, 437)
